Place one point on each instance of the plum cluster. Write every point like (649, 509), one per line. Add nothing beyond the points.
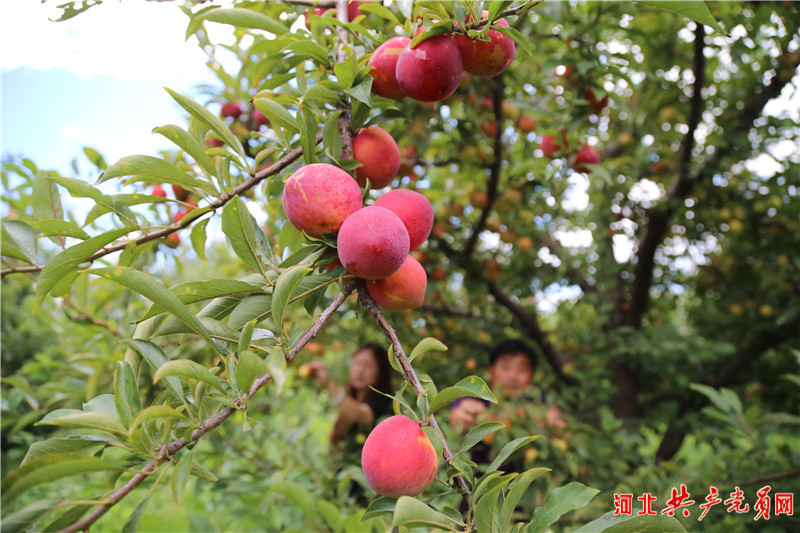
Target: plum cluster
(373, 242)
(432, 70)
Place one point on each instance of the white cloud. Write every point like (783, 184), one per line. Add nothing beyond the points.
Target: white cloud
(130, 40)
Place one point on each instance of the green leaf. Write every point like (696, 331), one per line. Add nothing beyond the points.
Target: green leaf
(362, 92)
(154, 412)
(284, 288)
(203, 473)
(68, 518)
(297, 494)
(437, 29)
(331, 138)
(319, 93)
(46, 199)
(156, 358)
(60, 228)
(251, 308)
(496, 7)
(331, 514)
(693, 9)
(608, 523)
(132, 524)
(515, 493)
(510, 448)
(244, 18)
(379, 507)
(486, 505)
(560, 501)
(246, 336)
(472, 386)
(98, 421)
(213, 122)
(248, 368)
(410, 512)
(187, 369)
(516, 35)
(148, 287)
(376, 8)
(154, 170)
(346, 73)
(180, 478)
(276, 113)
(26, 517)
(95, 157)
(238, 225)
(188, 144)
(198, 291)
(426, 345)
(68, 260)
(69, 444)
(478, 433)
(126, 393)
(49, 468)
(198, 238)
(22, 237)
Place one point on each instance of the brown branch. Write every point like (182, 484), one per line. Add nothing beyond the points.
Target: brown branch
(530, 320)
(408, 371)
(770, 477)
(530, 4)
(208, 425)
(187, 221)
(658, 220)
(86, 317)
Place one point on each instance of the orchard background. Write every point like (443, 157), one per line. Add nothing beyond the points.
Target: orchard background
(159, 383)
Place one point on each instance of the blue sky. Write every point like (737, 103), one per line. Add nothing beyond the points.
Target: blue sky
(95, 80)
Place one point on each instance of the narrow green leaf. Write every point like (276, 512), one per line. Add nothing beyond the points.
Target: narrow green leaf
(346, 73)
(246, 336)
(478, 433)
(156, 358)
(46, 199)
(319, 93)
(376, 8)
(148, 287)
(559, 502)
(515, 492)
(49, 468)
(213, 122)
(276, 113)
(437, 29)
(98, 421)
(471, 386)
(379, 507)
(60, 228)
(248, 368)
(696, 10)
(308, 49)
(284, 288)
(608, 523)
(510, 448)
(198, 238)
(426, 345)
(188, 144)
(331, 514)
(516, 35)
(69, 444)
(251, 308)
(362, 92)
(22, 237)
(155, 170)
(126, 393)
(297, 494)
(26, 517)
(331, 138)
(67, 518)
(239, 227)
(180, 478)
(485, 508)
(198, 291)
(244, 18)
(496, 7)
(203, 473)
(410, 512)
(80, 189)
(132, 524)
(187, 369)
(154, 412)
(95, 157)
(68, 260)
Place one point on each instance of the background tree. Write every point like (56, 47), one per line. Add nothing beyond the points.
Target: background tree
(659, 284)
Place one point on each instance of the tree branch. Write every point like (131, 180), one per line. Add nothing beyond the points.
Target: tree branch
(223, 199)
(408, 371)
(210, 424)
(770, 477)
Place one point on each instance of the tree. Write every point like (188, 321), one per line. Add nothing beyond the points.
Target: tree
(671, 263)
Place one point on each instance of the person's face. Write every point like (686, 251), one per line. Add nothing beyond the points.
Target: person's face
(363, 370)
(511, 372)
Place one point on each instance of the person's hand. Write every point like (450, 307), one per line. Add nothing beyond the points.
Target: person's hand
(319, 371)
(464, 416)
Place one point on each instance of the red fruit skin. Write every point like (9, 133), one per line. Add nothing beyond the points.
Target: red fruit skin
(486, 58)
(353, 10)
(173, 240)
(403, 290)
(489, 128)
(384, 68)
(430, 72)
(181, 194)
(414, 210)
(231, 110)
(526, 124)
(179, 215)
(594, 104)
(158, 190)
(319, 197)
(379, 155)
(214, 142)
(551, 147)
(398, 459)
(587, 155)
(259, 118)
(372, 243)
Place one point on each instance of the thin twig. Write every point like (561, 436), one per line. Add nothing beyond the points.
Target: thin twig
(408, 371)
(530, 4)
(208, 425)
